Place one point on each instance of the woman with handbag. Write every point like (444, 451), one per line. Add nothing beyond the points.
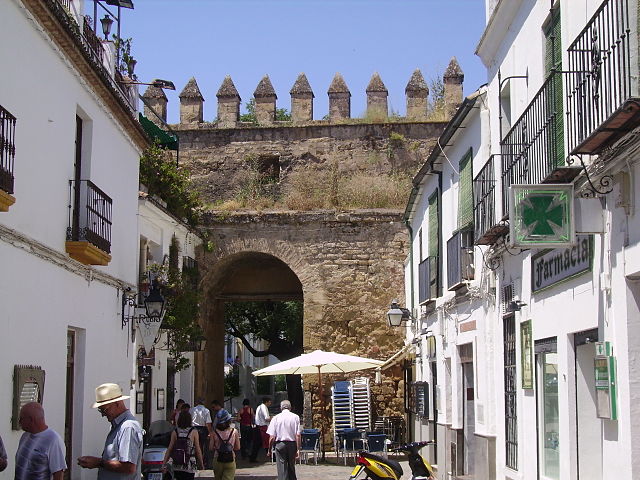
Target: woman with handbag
(184, 449)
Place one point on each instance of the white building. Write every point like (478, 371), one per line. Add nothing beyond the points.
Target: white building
(68, 224)
(535, 354)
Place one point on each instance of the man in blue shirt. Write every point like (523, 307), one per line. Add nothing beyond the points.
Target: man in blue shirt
(122, 454)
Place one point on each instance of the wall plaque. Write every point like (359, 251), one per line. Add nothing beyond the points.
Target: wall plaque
(553, 266)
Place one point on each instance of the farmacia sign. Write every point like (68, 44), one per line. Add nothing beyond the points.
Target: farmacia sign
(553, 266)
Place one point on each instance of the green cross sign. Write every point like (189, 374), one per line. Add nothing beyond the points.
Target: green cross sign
(541, 216)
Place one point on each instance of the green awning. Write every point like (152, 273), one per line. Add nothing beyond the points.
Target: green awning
(163, 138)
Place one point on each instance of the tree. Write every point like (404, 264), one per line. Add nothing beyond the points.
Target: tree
(282, 114)
(279, 324)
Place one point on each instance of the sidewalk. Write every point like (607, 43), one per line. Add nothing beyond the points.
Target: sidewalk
(323, 471)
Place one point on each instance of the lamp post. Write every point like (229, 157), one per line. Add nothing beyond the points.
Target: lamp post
(396, 314)
(106, 22)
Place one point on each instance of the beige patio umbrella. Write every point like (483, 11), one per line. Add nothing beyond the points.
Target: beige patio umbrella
(320, 362)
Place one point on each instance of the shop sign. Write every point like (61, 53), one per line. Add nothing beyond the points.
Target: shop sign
(144, 359)
(553, 266)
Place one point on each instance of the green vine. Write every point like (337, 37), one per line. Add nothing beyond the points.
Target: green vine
(160, 174)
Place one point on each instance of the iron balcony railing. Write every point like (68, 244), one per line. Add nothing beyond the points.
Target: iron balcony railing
(7, 149)
(92, 40)
(600, 80)
(484, 203)
(428, 279)
(460, 259)
(89, 215)
(534, 147)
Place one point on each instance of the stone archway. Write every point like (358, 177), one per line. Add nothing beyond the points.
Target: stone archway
(349, 267)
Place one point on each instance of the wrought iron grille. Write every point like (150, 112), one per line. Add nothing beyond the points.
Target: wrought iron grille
(7, 149)
(484, 201)
(66, 4)
(428, 279)
(460, 258)
(533, 147)
(93, 42)
(510, 391)
(89, 215)
(599, 80)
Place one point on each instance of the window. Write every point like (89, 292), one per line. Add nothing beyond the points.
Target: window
(28, 386)
(553, 66)
(434, 225)
(510, 390)
(465, 192)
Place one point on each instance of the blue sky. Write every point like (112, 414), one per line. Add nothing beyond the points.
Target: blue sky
(208, 39)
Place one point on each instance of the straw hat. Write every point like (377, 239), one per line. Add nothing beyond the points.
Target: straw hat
(108, 393)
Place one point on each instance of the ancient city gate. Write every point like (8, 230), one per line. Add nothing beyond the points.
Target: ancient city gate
(301, 237)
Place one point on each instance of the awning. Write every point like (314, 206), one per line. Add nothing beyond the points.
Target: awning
(397, 357)
(163, 138)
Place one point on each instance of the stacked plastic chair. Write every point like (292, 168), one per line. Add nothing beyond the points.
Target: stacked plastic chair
(361, 394)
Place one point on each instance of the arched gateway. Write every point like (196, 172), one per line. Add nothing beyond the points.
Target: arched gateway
(345, 267)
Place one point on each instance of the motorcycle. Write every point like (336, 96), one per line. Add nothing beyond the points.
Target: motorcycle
(379, 468)
(155, 445)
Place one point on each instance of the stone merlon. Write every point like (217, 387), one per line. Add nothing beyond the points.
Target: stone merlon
(453, 71)
(191, 90)
(376, 84)
(338, 85)
(265, 89)
(301, 86)
(416, 83)
(228, 89)
(154, 92)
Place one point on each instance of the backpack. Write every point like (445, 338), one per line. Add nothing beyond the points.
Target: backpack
(181, 452)
(225, 450)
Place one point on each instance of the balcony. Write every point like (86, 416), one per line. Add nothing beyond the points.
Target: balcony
(460, 266)
(7, 158)
(533, 150)
(428, 280)
(601, 84)
(486, 227)
(89, 230)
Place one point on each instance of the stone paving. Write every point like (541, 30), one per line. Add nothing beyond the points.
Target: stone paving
(329, 470)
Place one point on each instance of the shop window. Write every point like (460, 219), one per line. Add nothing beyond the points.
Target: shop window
(28, 386)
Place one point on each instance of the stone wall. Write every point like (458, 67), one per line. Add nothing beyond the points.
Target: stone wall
(350, 266)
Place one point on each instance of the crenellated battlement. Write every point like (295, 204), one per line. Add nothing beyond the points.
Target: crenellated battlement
(302, 97)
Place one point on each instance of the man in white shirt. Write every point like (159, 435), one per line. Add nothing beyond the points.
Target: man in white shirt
(284, 437)
(201, 417)
(260, 437)
(40, 454)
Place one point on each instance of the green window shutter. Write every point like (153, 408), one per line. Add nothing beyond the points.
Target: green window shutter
(465, 192)
(434, 225)
(553, 62)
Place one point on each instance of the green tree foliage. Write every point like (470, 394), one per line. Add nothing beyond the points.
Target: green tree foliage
(282, 114)
(171, 183)
(436, 97)
(232, 383)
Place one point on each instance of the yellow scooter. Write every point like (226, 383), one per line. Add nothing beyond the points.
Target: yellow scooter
(379, 468)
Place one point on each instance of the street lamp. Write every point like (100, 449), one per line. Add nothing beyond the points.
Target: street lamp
(154, 303)
(157, 82)
(396, 314)
(106, 22)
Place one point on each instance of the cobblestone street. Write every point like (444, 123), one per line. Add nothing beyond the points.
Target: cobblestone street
(329, 470)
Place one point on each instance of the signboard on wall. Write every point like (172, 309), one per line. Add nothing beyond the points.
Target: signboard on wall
(553, 266)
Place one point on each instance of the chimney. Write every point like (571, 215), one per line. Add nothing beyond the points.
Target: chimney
(228, 104)
(301, 100)
(191, 101)
(339, 99)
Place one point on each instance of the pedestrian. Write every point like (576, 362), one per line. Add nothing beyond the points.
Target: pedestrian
(122, 454)
(40, 454)
(3, 456)
(260, 437)
(284, 439)
(245, 418)
(176, 412)
(224, 443)
(184, 449)
(202, 422)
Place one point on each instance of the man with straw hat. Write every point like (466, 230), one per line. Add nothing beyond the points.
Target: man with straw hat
(122, 452)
